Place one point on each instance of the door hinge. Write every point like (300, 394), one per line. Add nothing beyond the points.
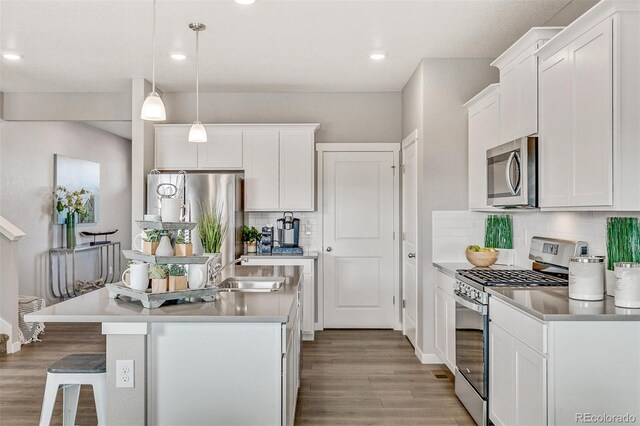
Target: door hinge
(394, 235)
(404, 303)
(394, 170)
(394, 300)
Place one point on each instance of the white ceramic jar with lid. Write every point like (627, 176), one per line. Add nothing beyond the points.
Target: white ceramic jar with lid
(627, 285)
(586, 278)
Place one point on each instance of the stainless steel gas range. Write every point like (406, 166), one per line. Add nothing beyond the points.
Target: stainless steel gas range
(550, 268)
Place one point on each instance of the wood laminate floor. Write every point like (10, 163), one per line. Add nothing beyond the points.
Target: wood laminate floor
(23, 374)
(349, 377)
(372, 377)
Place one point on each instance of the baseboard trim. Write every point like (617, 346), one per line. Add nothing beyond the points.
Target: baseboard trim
(15, 347)
(428, 358)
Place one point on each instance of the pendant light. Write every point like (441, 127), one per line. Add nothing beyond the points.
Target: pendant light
(153, 108)
(197, 133)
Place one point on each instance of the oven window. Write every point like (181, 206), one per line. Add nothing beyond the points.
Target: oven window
(471, 338)
(497, 186)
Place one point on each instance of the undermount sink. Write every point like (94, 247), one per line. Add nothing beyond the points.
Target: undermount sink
(251, 284)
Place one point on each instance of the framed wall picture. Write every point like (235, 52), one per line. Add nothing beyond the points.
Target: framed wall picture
(75, 174)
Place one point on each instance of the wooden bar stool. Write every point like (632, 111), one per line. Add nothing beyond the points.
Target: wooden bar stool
(71, 372)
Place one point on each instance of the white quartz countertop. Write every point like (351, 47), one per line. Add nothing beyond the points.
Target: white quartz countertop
(305, 255)
(227, 307)
(554, 304)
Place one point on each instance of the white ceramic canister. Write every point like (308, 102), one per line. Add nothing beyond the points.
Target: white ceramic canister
(627, 285)
(586, 278)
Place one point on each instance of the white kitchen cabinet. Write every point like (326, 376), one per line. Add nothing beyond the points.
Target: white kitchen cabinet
(517, 373)
(445, 315)
(297, 171)
(261, 165)
(291, 373)
(484, 133)
(309, 286)
(519, 84)
(223, 151)
(173, 151)
(589, 131)
(279, 168)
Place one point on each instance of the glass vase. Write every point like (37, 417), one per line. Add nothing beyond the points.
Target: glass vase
(71, 230)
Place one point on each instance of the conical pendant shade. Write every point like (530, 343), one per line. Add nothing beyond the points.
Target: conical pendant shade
(197, 133)
(153, 108)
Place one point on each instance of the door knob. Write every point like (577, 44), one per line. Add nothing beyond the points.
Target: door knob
(411, 255)
(329, 249)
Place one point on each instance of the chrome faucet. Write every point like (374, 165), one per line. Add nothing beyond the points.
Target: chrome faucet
(217, 268)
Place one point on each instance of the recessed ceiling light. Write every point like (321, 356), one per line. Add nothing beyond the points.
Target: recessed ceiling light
(178, 56)
(377, 56)
(245, 1)
(11, 56)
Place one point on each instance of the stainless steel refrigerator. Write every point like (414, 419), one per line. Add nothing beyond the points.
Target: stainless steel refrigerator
(224, 190)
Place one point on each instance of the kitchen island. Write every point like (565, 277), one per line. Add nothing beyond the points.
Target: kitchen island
(231, 361)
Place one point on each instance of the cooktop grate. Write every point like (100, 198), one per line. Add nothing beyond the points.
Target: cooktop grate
(511, 277)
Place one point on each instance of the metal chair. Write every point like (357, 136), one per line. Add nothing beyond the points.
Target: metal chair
(70, 373)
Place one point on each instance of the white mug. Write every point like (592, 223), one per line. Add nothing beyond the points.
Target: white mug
(138, 240)
(198, 275)
(138, 276)
(172, 210)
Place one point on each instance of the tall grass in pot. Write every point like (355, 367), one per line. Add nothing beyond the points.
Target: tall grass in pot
(212, 230)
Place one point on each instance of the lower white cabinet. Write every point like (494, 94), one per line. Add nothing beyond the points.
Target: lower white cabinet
(291, 372)
(308, 299)
(445, 310)
(517, 381)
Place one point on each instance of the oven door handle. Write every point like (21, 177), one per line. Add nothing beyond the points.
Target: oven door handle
(476, 307)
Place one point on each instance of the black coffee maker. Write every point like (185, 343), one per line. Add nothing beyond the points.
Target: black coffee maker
(288, 228)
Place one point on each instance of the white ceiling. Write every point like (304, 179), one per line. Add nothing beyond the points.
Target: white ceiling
(272, 45)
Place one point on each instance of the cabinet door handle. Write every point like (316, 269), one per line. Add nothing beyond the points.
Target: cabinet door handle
(329, 249)
(411, 255)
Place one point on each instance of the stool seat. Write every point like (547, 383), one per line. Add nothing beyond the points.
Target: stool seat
(70, 373)
(80, 363)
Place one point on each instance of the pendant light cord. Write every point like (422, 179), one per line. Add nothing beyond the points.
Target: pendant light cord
(153, 52)
(197, 77)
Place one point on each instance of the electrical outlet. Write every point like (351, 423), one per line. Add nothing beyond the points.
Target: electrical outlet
(124, 373)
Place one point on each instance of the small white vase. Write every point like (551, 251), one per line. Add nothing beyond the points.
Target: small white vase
(164, 248)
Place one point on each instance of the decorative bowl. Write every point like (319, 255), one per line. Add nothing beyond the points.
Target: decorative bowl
(482, 258)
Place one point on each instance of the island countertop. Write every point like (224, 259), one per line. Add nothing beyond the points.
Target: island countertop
(276, 306)
(554, 304)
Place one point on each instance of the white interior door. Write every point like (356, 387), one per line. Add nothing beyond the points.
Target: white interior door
(358, 240)
(409, 234)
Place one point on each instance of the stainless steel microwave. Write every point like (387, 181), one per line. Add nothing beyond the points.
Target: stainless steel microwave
(512, 174)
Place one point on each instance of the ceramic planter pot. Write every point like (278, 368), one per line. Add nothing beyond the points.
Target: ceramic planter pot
(183, 250)
(158, 285)
(149, 248)
(178, 283)
(252, 247)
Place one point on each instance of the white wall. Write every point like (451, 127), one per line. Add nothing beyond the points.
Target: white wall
(442, 148)
(67, 106)
(26, 170)
(343, 117)
(454, 230)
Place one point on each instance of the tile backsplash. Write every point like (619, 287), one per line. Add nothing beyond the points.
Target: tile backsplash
(454, 230)
(309, 239)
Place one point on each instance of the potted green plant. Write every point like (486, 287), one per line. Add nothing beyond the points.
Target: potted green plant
(151, 241)
(251, 236)
(177, 278)
(158, 275)
(183, 246)
(212, 230)
(74, 203)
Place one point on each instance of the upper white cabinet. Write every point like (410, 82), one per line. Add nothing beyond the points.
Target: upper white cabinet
(519, 84)
(223, 151)
(484, 133)
(279, 166)
(589, 109)
(278, 159)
